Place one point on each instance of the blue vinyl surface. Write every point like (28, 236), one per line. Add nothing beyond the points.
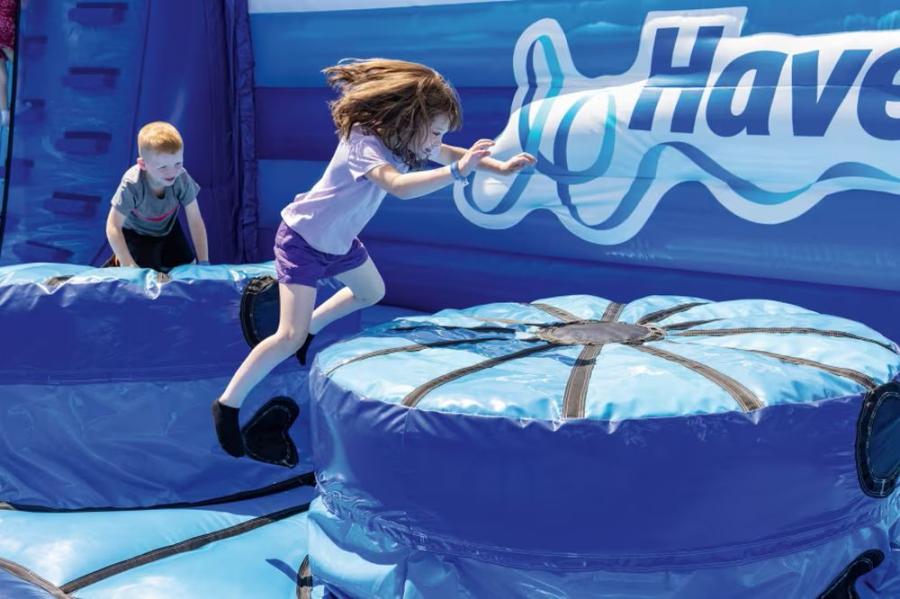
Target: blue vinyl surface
(354, 561)
(65, 548)
(109, 405)
(725, 436)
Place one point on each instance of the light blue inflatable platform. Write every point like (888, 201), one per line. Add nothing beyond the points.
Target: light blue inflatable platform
(667, 447)
(112, 482)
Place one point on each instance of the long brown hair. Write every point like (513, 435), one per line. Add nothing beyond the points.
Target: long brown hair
(394, 99)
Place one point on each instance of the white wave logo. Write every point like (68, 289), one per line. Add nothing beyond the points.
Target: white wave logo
(770, 124)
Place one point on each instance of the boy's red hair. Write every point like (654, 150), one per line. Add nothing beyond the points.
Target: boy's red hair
(159, 137)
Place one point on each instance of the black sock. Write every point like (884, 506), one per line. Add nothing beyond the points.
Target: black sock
(301, 353)
(228, 429)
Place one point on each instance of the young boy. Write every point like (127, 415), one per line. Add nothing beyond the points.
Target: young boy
(142, 226)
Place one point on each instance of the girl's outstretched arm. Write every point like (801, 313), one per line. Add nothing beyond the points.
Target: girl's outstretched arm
(412, 185)
(449, 154)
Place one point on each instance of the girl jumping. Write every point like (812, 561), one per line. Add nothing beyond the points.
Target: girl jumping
(391, 117)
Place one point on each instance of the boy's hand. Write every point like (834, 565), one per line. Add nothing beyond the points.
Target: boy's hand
(517, 163)
(474, 155)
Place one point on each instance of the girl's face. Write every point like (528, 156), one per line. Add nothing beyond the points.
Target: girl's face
(429, 141)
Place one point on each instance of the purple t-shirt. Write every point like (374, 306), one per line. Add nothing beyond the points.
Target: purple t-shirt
(331, 214)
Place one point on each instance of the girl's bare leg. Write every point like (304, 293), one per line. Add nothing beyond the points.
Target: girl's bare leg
(297, 303)
(364, 287)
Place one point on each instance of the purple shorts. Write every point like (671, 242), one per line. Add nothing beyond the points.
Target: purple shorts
(298, 263)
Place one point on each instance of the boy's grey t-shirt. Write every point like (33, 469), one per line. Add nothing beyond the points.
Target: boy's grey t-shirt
(145, 213)
(331, 214)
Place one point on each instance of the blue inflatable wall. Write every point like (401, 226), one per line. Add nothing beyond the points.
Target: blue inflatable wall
(90, 75)
(697, 148)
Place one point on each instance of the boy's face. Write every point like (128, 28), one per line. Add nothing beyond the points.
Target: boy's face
(429, 141)
(162, 169)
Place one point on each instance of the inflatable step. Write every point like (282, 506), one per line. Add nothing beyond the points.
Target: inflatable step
(98, 14)
(74, 205)
(91, 78)
(84, 143)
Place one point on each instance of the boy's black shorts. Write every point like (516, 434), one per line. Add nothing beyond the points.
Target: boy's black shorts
(159, 253)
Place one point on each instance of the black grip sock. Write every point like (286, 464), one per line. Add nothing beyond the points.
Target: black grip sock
(228, 429)
(301, 353)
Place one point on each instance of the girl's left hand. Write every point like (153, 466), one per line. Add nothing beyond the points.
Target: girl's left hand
(517, 163)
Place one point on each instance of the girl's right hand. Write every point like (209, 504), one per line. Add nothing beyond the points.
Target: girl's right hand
(473, 156)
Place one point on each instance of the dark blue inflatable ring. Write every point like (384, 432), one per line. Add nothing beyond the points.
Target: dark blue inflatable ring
(574, 432)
